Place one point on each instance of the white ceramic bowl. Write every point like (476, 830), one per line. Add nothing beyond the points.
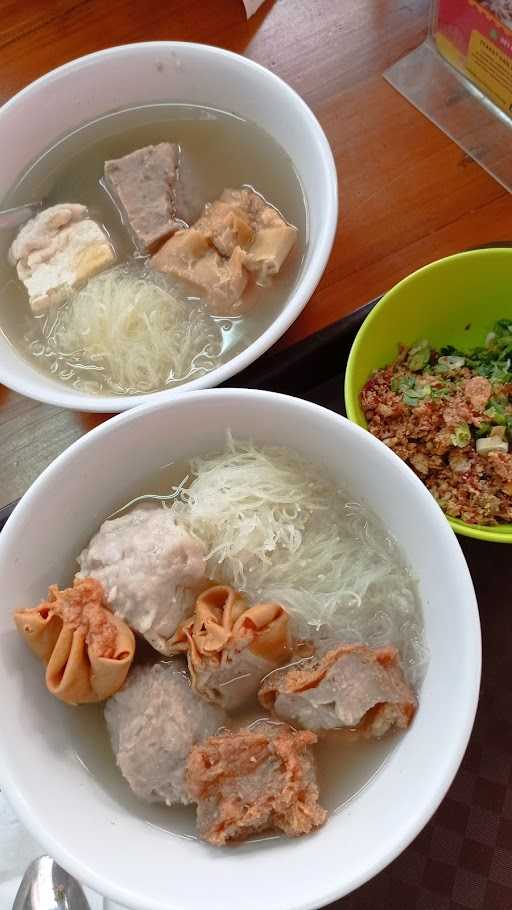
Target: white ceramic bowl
(81, 823)
(170, 71)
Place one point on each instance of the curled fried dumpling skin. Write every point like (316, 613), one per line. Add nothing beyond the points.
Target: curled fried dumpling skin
(351, 687)
(87, 650)
(230, 646)
(260, 779)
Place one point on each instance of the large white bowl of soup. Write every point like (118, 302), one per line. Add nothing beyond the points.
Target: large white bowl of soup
(189, 206)
(244, 694)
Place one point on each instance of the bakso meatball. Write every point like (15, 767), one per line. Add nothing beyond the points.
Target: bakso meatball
(351, 687)
(150, 568)
(154, 722)
(260, 779)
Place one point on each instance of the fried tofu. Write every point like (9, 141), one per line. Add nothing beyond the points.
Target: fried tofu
(225, 227)
(236, 235)
(189, 256)
(273, 237)
(260, 779)
(351, 687)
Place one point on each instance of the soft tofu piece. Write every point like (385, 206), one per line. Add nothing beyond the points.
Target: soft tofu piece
(153, 189)
(189, 256)
(351, 687)
(260, 779)
(58, 251)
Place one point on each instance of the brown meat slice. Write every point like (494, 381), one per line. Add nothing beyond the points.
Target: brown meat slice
(148, 186)
(351, 687)
(260, 779)
(189, 256)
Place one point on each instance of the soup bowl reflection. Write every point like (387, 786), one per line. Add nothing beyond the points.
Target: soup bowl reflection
(77, 817)
(153, 72)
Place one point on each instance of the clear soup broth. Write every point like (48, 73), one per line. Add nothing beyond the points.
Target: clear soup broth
(345, 766)
(222, 150)
(343, 769)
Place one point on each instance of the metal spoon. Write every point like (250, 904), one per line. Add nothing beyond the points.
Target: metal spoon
(13, 218)
(46, 886)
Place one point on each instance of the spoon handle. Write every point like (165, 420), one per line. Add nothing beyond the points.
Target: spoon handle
(46, 886)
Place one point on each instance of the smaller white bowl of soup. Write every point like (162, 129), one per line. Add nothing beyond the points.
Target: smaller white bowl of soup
(250, 674)
(189, 205)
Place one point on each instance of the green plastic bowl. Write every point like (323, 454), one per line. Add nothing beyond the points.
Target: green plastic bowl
(452, 301)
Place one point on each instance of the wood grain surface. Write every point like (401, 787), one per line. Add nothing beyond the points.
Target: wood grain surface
(408, 194)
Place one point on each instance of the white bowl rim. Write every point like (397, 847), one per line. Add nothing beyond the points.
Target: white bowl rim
(299, 297)
(441, 780)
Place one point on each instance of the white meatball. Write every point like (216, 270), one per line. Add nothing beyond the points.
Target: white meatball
(154, 722)
(151, 571)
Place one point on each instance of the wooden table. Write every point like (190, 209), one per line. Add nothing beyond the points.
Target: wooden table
(408, 194)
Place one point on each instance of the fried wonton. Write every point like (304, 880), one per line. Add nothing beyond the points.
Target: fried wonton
(259, 779)
(351, 687)
(86, 648)
(230, 646)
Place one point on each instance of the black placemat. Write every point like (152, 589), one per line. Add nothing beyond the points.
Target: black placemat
(462, 860)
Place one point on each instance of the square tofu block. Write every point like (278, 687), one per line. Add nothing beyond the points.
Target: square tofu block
(58, 251)
(147, 188)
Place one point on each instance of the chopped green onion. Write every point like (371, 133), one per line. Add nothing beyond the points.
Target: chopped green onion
(461, 436)
(503, 328)
(419, 356)
(414, 397)
(440, 392)
(495, 411)
(450, 362)
(402, 383)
